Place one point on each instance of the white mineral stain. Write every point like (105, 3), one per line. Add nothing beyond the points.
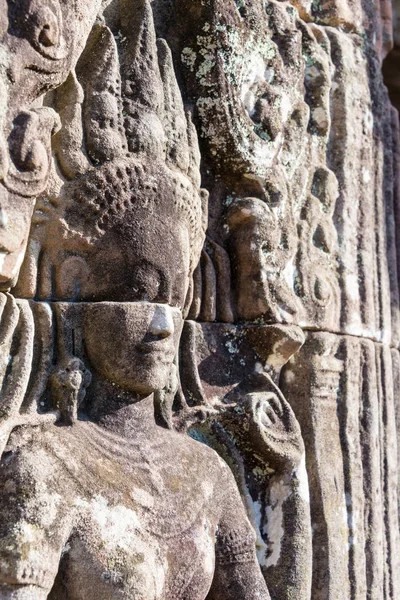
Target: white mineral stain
(120, 529)
(366, 176)
(269, 75)
(256, 519)
(255, 75)
(286, 106)
(320, 116)
(3, 218)
(205, 547)
(303, 489)
(280, 491)
(142, 497)
(290, 273)
(116, 523)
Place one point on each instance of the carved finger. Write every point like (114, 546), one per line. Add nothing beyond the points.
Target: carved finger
(20, 327)
(42, 357)
(259, 406)
(267, 416)
(28, 277)
(192, 387)
(223, 271)
(197, 294)
(274, 403)
(208, 309)
(9, 321)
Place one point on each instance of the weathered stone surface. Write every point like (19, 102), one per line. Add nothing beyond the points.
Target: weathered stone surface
(199, 300)
(41, 42)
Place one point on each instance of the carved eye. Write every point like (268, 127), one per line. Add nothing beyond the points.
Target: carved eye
(49, 35)
(145, 283)
(46, 27)
(40, 22)
(43, 27)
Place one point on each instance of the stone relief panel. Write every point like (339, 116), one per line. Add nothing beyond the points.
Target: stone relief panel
(198, 350)
(271, 94)
(311, 241)
(270, 116)
(92, 330)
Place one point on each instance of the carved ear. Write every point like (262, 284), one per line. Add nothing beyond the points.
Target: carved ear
(30, 151)
(98, 71)
(142, 91)
(175, 124)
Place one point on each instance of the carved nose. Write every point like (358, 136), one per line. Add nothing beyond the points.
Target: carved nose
(162, 324)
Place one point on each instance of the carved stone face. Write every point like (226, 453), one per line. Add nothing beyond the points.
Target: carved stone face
(132, 272)
(45, 39)
(142, 266)
(147, 272)
(139, 353)
(145, 260)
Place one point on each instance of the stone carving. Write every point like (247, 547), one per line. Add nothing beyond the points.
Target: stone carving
(311, 234)
(41, 41)
(198, 351)
(260, 118)
(149, 512)
(254, 428)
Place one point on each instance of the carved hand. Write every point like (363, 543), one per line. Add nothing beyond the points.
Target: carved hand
(263, 418)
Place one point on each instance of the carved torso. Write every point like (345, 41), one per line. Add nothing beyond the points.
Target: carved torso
(168, 524)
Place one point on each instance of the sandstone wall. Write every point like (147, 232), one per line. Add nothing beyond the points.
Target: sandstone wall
(295, 298)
